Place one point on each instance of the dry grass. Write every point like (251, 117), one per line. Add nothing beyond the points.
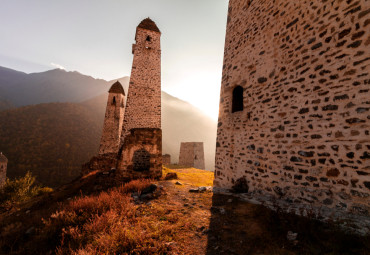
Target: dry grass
(192, 176)
(175, 222)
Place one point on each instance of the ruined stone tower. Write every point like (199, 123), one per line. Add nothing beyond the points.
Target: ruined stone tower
(294, 105)
(192, 155)
(3, 166)
(113, 120)
(141, 139)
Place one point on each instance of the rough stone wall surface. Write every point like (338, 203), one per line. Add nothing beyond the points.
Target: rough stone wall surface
(143, 106)
(303, 133)
(105, 162)
(111, 136)
(3, 166)
(166, 159)
(192, 155)
(141, 155)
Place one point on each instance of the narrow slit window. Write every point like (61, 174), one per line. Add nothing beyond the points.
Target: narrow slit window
(148, 39)
(237, 105)
(114, 100)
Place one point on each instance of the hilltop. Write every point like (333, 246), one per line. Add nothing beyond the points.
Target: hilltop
(95, 215)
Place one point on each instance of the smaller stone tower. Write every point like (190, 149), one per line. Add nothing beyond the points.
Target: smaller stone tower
(3, 166)
(192, 155)
(113, 120)
(166, 159)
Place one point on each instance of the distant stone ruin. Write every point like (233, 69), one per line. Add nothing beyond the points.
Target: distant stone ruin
(166, 159)
(3, 167)
(294, 106)
(131, 140)
(192, 155)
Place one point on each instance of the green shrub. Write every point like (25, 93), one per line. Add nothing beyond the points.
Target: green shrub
(21, 190)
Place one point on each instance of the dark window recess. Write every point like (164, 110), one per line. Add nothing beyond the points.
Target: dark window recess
(148, 38)
(141, 160)
(114, 100)
(237, 99)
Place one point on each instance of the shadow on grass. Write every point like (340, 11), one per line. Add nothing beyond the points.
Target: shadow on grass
(238, 227)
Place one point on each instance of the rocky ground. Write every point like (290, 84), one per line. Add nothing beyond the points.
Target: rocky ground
(187, 217)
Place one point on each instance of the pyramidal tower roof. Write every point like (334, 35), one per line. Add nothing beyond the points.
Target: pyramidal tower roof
(3, 158)
(149, 24)
(117, 88)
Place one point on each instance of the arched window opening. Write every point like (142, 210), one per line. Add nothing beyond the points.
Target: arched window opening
(114, 100)
(148, 39)
(237, 99)
(141, 160)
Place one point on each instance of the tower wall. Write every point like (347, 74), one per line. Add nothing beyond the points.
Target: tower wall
(143, 107)
(112, 128)
(302, 135)
(192, 155)
(140, 153)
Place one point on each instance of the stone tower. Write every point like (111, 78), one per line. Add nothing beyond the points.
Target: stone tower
(294, 105)
(143, 107)
(141, 139)
(192, 155)
(113, 120)
(3, 166)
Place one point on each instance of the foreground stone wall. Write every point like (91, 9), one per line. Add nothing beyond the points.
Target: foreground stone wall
(192, 155)
(141, 156)
(301, 133)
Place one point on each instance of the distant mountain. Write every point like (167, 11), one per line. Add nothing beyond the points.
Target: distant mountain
(51, 86)
(53, 139)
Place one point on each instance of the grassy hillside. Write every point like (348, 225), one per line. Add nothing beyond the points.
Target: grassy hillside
(50, 140)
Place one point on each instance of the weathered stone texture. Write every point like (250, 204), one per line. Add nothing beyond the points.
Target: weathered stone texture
(192, 155)
(302, 131)
(141, 155)
(143, 107)
(166, 159)
(111, 136)
(3, 168)
(131, 142)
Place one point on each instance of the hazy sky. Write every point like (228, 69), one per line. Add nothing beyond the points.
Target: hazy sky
(94, 37)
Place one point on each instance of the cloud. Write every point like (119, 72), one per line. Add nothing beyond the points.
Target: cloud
(57, 66)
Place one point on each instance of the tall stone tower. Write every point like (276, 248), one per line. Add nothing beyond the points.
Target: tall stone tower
(294, 105)
(113, 120)
(3, 166)
(141, 139)
(143, 107)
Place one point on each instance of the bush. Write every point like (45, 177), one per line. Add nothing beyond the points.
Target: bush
(20, 190)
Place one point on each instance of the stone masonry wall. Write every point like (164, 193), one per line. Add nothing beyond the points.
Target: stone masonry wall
(141, 156)
(192, 155)
(303, 133)
(3, 166)
(143, 106)
(111, 136)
